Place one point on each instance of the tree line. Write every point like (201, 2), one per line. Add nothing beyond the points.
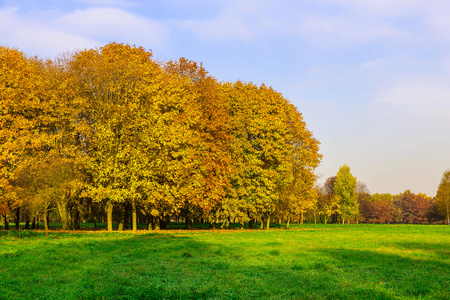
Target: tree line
(112, 133)
(342, 198)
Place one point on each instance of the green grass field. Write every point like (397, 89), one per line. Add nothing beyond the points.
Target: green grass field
(305, 262)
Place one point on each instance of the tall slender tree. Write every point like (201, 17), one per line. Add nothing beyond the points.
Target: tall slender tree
(443, 196)
(345, 193)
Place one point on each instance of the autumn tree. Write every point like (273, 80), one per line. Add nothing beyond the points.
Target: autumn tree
(16, 123)
(297, 188)
(270, 147)
(113, 85)
(327, 203)
(345, 192)
(210, 165)
(27, 123)
(112, 128)
(443, 196)
(254, 185)
(363, 194)
(378, 208)
(415, 208)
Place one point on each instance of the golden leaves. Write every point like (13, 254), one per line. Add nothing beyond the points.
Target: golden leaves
(168, 137)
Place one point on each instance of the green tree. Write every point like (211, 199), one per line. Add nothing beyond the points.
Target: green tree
(345, 193)
(443, 196)
(327, 203)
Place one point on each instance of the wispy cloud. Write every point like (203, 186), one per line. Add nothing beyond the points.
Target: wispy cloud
(327, 23)
(237, 20)
(78, 29)
(113, 24)
(110, 3)
(37, 38)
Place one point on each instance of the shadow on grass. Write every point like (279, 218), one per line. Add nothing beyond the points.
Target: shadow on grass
(432, 249)
(171, 266)
(390, 275)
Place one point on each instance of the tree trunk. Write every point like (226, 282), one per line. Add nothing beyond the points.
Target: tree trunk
(5, 222)
(122, 217)
(63, 213)
(126, 216)
(287, 223)
(46, 220)
(268, 222)
(17, 219)
(109, 216)
(157, 224)
(188, 221)
(134, 216)
(76, 220)
(163, 221)
(212, 224)
(27, 221)
(301, 217)
(448, 216)
(250, 223)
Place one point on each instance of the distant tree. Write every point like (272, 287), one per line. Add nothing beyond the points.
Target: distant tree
(415, 208)
(345, 192)
(433, 214)
(377, 208)
(363, 194)
(443, 196)
(328, 186)
(327, 204)
(362, 190)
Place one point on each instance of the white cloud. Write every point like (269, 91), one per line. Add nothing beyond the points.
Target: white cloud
(79, 29)
(108, 2)
(382, 8)
(329, 23)
(36, 38)
(343, 30)
(237, 20)
(113, 24)
(420, 21)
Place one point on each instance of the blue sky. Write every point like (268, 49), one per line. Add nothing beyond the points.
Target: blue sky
(371, 77)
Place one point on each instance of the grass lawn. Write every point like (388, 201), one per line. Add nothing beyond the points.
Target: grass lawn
(305, 262)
